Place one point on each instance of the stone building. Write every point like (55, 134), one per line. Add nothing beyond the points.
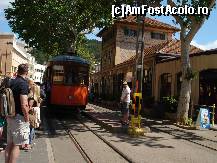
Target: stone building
(119, 56)
(119, 50)
(13, 53)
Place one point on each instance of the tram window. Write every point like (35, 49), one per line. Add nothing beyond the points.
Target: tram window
(76, 76)
(58, 74)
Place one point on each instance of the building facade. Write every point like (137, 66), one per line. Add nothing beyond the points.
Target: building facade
(119, 50)
(14, 53)
(162, 76)
(204, 85)
(11, 54)
(39, 71)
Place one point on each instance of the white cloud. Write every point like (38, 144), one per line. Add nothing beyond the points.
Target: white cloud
(5, 3)
(210, 45)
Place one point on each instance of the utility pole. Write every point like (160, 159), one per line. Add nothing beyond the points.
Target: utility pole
(139, 52)
(135, 127)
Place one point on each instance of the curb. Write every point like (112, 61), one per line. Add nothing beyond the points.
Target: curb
(213, 128)
(185, 127)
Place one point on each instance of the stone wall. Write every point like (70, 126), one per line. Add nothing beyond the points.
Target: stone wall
(6, 53)
(126, 45)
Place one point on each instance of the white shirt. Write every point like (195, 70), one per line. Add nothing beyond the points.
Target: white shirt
(125, 96)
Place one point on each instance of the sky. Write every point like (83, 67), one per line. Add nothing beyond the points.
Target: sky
(204, 39)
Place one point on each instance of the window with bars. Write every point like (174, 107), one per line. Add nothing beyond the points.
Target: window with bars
(130, 32)
(158, 36)
(58, 74)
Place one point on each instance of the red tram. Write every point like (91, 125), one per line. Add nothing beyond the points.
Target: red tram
(66, 80)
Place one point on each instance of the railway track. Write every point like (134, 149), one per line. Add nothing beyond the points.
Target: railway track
(76, 143)
(177, 133)
(187, 136)
(82, 150)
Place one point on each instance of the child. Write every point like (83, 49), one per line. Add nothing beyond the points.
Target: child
(33, 106)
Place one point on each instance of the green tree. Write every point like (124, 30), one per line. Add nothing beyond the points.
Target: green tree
(55, 25)
(190, 25)
(40, 56)
(94, 47)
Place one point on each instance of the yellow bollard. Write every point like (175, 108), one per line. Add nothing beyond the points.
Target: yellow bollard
(135, 128)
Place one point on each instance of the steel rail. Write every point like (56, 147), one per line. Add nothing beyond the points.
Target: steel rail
(109, 144)
(77, 145)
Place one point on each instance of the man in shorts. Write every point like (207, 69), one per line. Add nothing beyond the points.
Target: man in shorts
(18, 126)
(125, 102)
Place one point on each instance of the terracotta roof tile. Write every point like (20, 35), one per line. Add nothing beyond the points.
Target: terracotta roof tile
(149, 22)
(172, 47)
(151, 50)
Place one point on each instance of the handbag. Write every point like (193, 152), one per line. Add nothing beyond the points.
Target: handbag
(32, 119)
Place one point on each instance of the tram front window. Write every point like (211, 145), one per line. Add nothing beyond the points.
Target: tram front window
(58, 74)
(76, 76)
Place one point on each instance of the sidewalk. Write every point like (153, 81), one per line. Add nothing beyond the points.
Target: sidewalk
(38, 154)
(109, 119)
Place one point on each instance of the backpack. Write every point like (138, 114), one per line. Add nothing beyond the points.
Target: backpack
(7, 104)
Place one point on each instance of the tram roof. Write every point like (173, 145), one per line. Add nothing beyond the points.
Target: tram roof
(69, 58)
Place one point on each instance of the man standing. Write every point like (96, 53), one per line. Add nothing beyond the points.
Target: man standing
(125, 101)
(18, 126)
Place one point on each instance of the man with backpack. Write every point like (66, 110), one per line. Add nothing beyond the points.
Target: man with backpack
(18, 125)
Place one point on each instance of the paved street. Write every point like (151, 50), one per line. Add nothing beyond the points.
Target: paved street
(55, 145)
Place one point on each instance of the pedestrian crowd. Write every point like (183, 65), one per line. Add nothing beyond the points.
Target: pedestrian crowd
(18, 131)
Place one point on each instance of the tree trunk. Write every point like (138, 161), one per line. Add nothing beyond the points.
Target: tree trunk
(185, 94)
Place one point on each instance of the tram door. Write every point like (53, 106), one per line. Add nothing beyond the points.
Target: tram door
(208, 87)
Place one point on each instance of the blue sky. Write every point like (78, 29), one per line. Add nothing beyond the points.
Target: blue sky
(205, 38)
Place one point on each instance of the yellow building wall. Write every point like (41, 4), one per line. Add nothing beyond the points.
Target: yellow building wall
(198, 63)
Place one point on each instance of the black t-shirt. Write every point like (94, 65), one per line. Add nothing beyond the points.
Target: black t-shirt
(19, 86)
